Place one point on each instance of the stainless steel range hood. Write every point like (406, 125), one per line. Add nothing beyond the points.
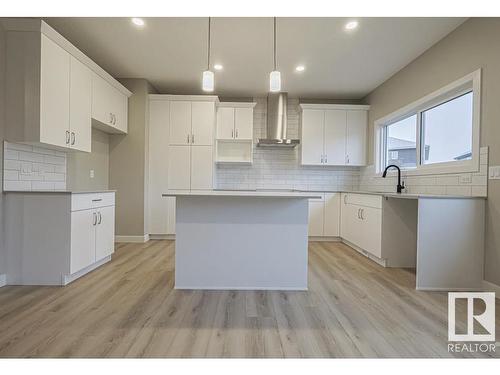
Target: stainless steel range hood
(277, 123)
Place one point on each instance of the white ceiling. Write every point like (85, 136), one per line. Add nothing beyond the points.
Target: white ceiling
(172, 52)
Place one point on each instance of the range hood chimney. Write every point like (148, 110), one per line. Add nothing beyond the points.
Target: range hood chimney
(277, 122)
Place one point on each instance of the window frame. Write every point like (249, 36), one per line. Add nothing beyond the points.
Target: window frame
(469, 83)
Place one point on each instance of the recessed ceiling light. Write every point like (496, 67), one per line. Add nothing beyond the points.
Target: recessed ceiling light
(351, 25)
(218, 67)
(300, 68)
(138, 21)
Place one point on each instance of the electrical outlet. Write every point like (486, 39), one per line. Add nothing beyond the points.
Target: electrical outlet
(91, 173)
(494, 172)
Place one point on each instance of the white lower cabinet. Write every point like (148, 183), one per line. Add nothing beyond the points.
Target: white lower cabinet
(57, 248)
(361, 221)
(324, 215)
(92, 229)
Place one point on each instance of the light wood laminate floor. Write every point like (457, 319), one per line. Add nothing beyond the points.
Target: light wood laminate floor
(128, 308)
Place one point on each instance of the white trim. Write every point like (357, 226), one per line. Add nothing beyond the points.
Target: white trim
(198, 98)
(324, 239)
(446, 289)
(236, 104)
(162, 236)
(490, 287)
(237, 288)
(66, 279)
(353, 107)
(379, 261)
(3, 280)
(472, 82)
(133, 239)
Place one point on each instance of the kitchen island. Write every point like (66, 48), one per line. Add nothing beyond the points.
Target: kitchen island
(253, 240)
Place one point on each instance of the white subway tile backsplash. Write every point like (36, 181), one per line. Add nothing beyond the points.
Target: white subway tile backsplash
(29, 168)
(280, 168)
(11, 175)
(16, 185)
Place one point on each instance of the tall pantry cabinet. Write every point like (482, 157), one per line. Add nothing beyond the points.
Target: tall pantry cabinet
(181, 148)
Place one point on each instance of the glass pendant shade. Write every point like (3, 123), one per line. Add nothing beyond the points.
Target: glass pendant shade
(275, 81)
(208, 81)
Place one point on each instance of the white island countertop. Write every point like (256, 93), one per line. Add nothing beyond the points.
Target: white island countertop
(242, 193)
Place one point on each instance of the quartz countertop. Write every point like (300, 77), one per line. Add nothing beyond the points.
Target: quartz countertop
(242, 193)
(60, 191)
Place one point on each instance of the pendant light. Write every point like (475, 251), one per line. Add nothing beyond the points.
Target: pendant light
(274, 76)
(208, 79)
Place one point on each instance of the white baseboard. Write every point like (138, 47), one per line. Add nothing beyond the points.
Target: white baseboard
(135, 239)
(490, 287)
(379, 261)
(3, 280)
(66, 279)
(324, 239)
(162, 236)
(239, 288)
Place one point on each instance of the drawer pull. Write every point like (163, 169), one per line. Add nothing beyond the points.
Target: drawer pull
(97, 200)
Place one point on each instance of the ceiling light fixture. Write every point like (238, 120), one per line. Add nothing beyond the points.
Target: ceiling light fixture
(218, 67)
(351, 25)
(275, 75)
(300, 68)
(208, 76)
(138, 21)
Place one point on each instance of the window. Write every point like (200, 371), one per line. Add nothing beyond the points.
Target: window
(447, 131)
(438, 133)
(401, 143)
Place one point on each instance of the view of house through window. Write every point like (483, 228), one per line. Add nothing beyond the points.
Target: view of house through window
(447, 131)
(445, 135)
(401, 143)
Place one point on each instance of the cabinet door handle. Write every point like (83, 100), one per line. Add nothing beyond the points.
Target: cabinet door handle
(359, 209)
(326, 158)
(321, 159)
(347, 159)
(236, 133)
(100, 218)
(192, 138)
(67, 137)
(187, 140)
(114, 119)
(110, 118)
(73, 137)
(361, 214)
(345, 199)
(232, 133)
(95, 218)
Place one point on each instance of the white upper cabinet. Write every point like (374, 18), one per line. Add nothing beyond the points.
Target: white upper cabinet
(235, 121)
(313, 134)
(53, 90)
(109, 107)
(80, 105)
(202, 123)
(335, 137)
(54, 94)
(180, 123)
(243, 123)
(356, 137)
(333, 134)
(225, 123)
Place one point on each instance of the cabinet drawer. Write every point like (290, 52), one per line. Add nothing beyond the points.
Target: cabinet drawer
(92, 200)
(366, 200)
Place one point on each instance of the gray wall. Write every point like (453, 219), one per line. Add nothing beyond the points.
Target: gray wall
(472, 45)
(2, 126)
(79, 165)
(128, 158)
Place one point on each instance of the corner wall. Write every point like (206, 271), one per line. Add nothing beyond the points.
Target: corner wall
(3, 259)
(128, 156)
(471, 46)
